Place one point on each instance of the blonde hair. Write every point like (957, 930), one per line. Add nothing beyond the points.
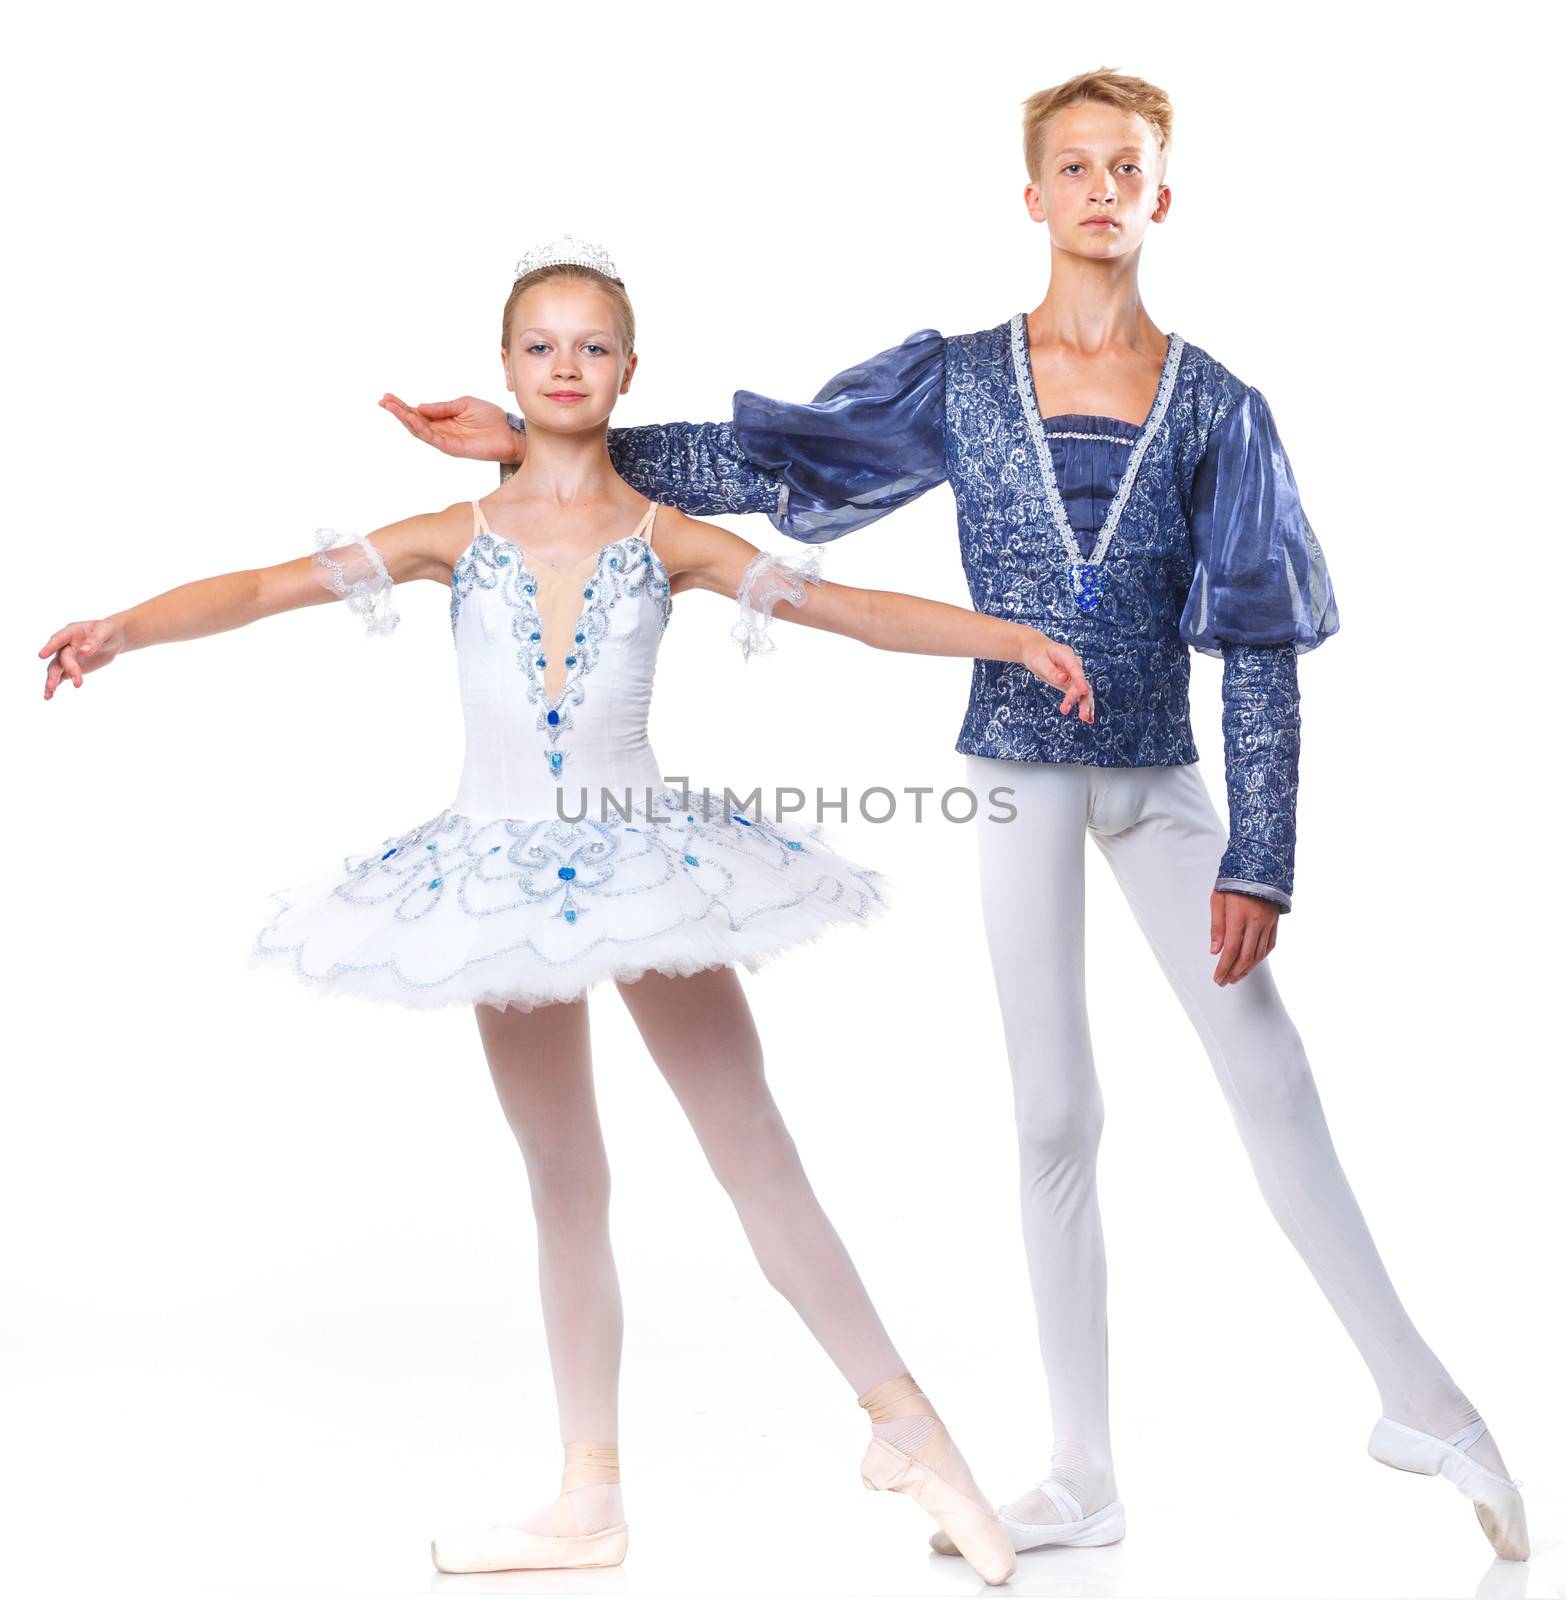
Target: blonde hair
(1104, 87)
(613, 287)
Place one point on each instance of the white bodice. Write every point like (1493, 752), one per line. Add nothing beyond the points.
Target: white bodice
(556, 673)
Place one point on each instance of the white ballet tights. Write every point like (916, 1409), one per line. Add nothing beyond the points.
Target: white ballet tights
(700, 1033)
(1163, 839)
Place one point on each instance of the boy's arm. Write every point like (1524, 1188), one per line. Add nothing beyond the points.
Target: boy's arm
(872, 440)
(695, 466)
(1260, 596)
(1261, 757)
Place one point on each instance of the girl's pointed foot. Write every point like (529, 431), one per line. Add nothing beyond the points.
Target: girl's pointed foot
(913, 1454)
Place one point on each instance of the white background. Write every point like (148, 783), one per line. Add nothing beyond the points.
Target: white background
(269, 1317)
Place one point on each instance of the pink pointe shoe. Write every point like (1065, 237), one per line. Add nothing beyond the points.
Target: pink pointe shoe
(972, 1527)
(1496, 1499)
(511, 1547)
(508, 1547)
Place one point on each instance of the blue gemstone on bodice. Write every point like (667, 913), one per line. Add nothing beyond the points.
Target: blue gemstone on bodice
(1087, 585)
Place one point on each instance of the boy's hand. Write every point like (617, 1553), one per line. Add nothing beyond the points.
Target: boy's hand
(467, 427)
(79, 648)
(1244, 929)
(1059, 664)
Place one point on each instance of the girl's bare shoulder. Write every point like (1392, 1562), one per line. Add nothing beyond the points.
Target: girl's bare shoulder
(674, 530)
(430, 544)
(698, 554)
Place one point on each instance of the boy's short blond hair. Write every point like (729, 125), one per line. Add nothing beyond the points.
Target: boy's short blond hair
(1107, 88)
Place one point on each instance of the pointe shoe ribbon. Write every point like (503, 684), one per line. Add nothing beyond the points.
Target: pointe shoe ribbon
(1497, 1500)
(972, 1527)
(1104, 1526)
(509, 1547)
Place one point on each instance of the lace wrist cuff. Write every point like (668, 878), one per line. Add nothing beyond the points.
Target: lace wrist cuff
(767, 579)
(357, 575)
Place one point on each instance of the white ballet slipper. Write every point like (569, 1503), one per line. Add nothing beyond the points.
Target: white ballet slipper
(1105, 1526)
(508, 1547)
(1496, 1499)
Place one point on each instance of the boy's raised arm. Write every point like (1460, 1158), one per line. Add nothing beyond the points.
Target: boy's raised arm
(872, 440)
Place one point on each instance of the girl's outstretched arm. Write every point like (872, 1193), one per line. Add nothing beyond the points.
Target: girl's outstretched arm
(419, 547)
(699, 555)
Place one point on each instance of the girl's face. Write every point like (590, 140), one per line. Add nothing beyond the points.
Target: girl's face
(567, 363)
(1100, 181)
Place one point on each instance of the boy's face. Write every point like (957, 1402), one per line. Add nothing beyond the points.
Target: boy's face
(1100, 181)
(566, 362)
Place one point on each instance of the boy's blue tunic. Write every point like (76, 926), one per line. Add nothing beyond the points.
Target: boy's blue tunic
(1130, 544)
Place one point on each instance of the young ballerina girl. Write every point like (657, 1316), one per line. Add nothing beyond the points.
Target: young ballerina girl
(565, 861)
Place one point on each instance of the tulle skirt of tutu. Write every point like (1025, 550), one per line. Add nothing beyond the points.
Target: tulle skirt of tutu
(524, 912)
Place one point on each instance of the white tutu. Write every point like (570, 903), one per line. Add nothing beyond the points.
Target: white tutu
(501, 901)
(525, 912)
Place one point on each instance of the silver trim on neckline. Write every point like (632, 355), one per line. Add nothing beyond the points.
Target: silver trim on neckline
(1022, 374)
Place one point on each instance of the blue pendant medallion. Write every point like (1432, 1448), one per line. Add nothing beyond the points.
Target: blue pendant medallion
(1087, 585)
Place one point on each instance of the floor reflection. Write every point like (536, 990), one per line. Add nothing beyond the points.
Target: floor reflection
(586, 1580)
(1060, 1570)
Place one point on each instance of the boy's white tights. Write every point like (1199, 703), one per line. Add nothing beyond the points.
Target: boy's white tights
(1163, 839)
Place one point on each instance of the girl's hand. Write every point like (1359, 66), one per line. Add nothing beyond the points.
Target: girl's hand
(79, 648)
(471, 428)
(1060, 665)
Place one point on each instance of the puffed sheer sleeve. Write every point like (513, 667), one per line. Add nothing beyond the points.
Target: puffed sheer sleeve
(872, 440)
(696, 466)
(354, 570)
(1260, 577)
(1260, 597)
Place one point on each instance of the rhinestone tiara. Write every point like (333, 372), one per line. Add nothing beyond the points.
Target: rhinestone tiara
(567, 250)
